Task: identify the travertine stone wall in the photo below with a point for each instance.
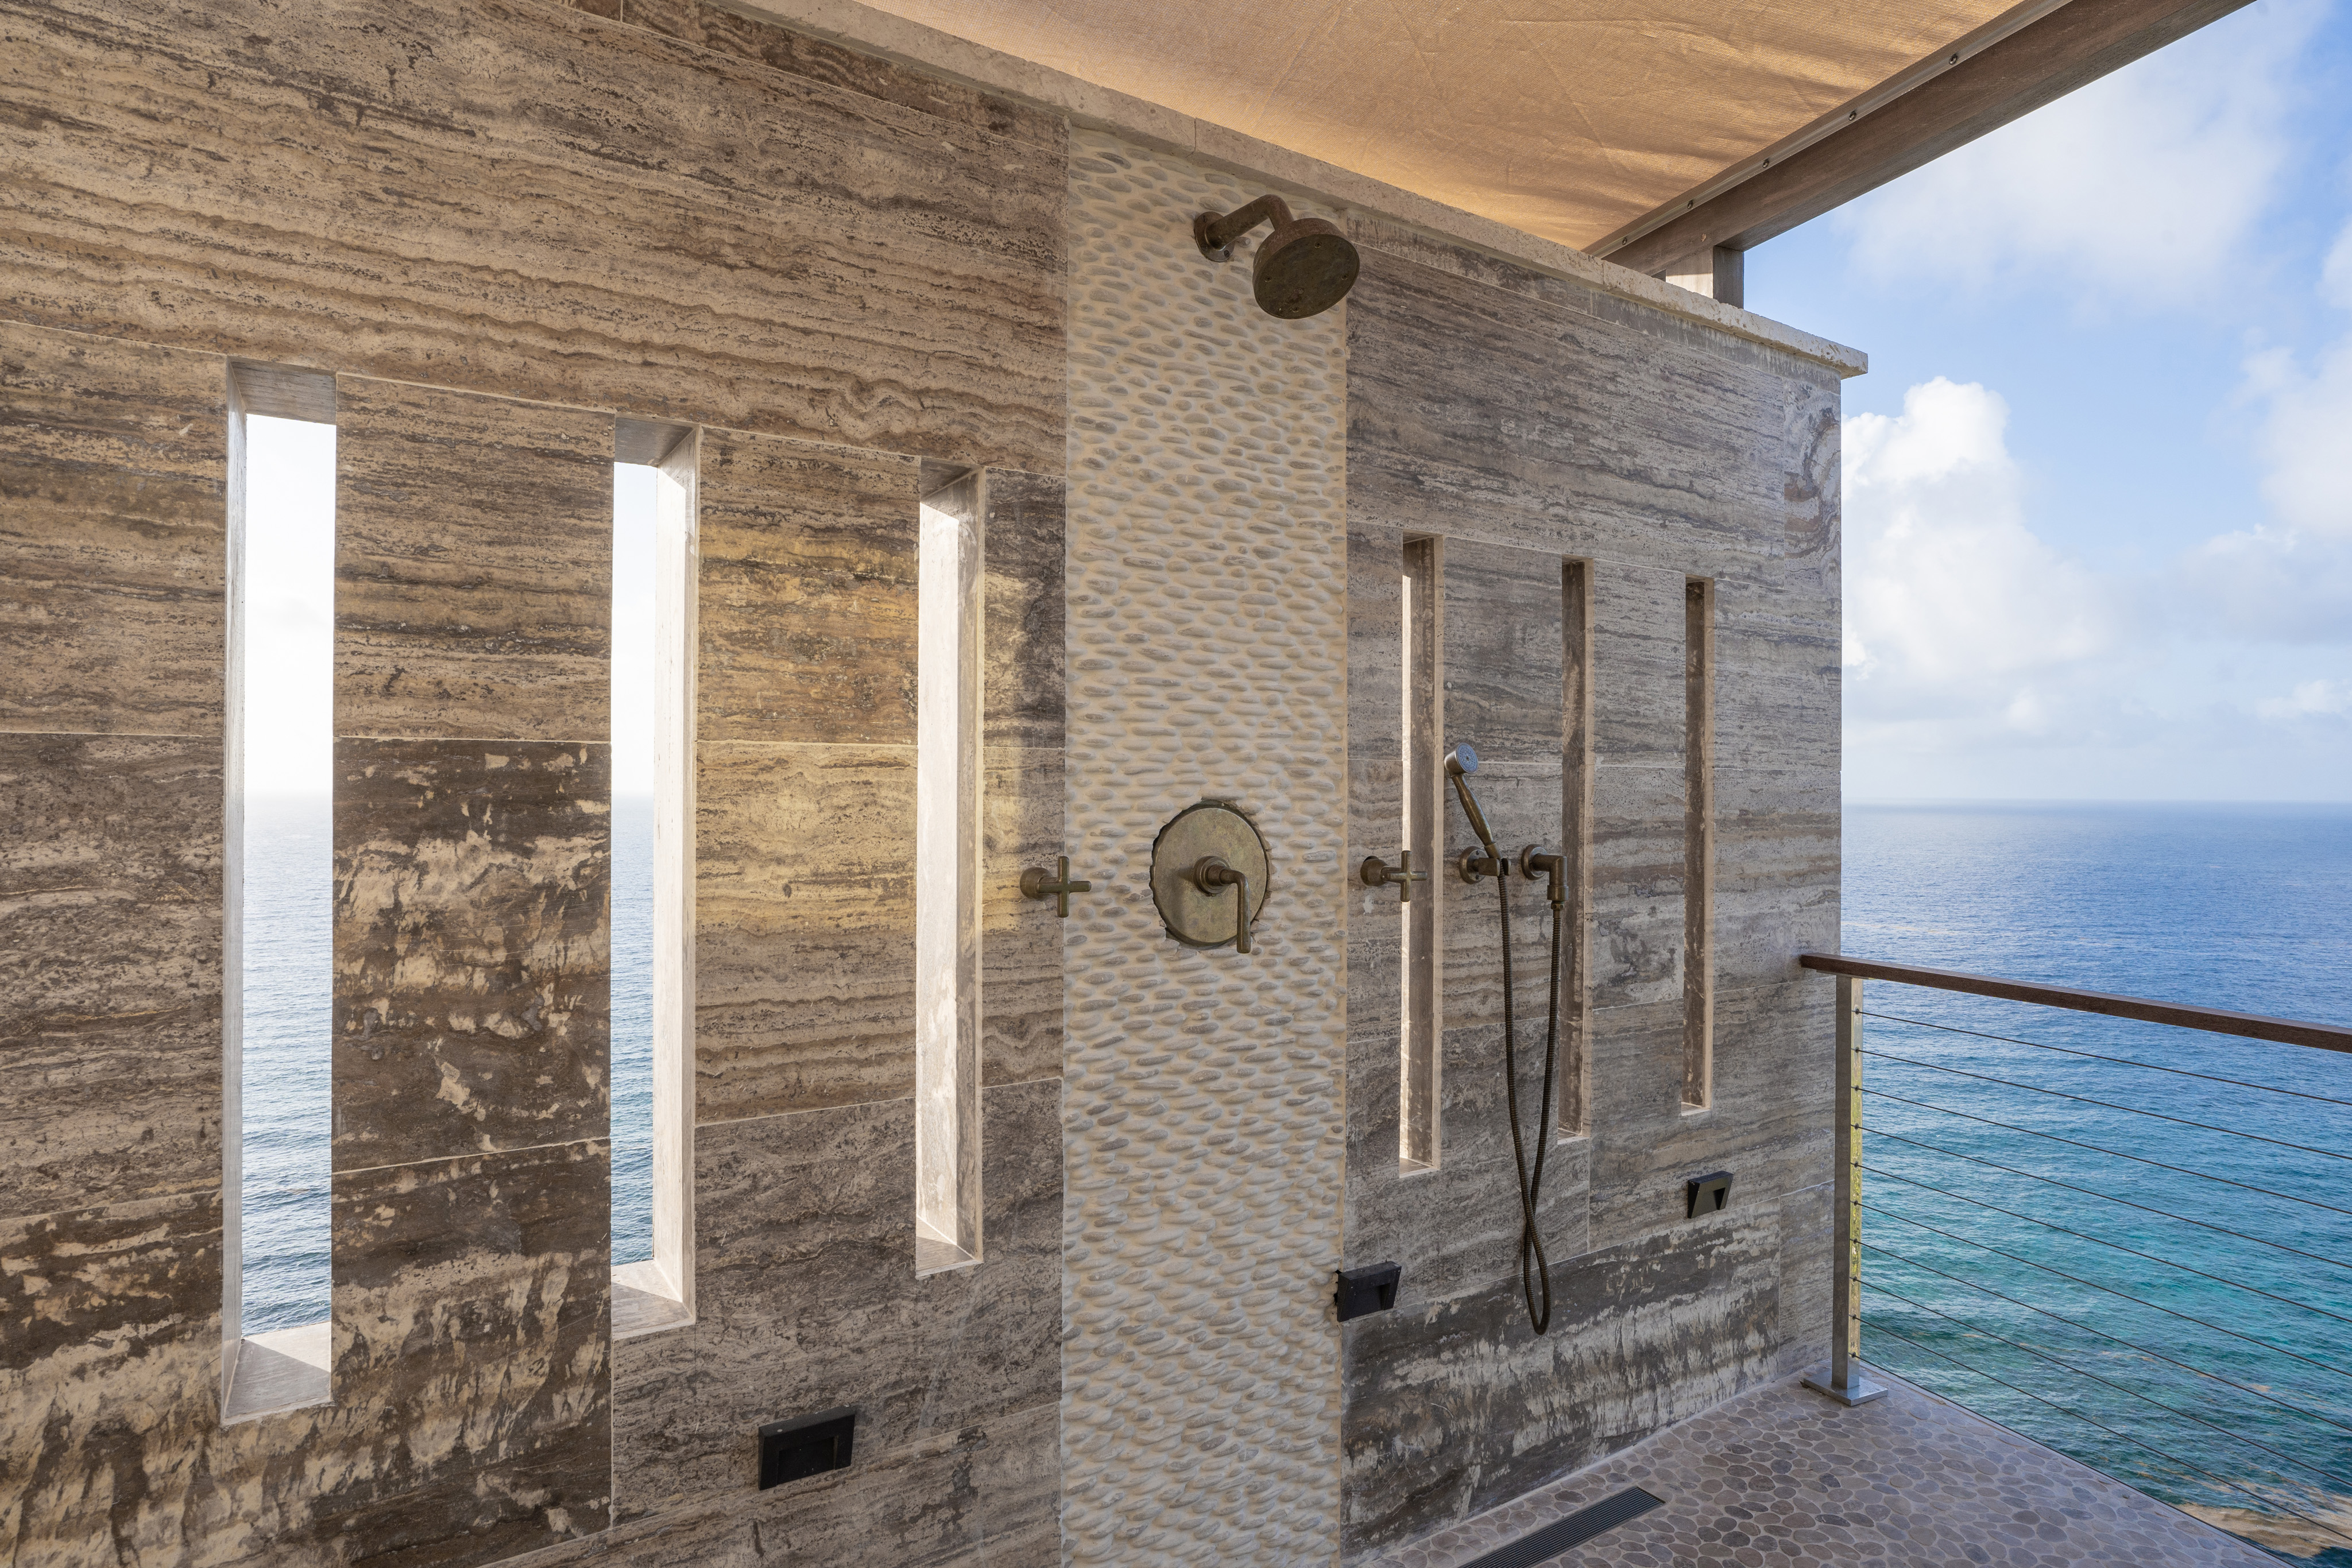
(1494, 408)
(113, 541)
(472, 1062)
(1204, 1121)
(503, 226)
(515, 197)
(807, 1296)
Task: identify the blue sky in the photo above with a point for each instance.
(2099, 480)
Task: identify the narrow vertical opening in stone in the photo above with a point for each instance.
(1698, 843)
(946, 880)
(1576, 840)
(278, 1024)
(1420, 728)
(653, 783)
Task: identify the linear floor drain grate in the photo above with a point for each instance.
(1574, 1531)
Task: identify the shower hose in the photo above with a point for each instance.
(1535, 1282)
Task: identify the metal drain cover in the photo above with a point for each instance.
(1574, 1531)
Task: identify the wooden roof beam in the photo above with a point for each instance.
(2077, 43)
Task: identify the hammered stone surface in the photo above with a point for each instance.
(1204, 1125)
(1782, 1478)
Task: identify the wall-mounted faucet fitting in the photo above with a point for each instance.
(1535, 861)
(1034, 884)
(1377, 873)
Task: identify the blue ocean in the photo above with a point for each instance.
(2169, 1299)
(2166, 1299)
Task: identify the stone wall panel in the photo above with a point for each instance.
(804, 902)
(472, 1373)
(110, 968)
(808, 1298)
(806, 598)
(113, 535)
(472, 963)
(533, 202)
(473, 565)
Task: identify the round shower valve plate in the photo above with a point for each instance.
(1196, 916)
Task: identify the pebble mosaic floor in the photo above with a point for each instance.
(1782, 1478)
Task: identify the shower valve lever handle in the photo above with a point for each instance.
(1377, 873)
(1209, 873)
(1033, 884)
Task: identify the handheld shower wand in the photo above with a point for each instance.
(1461, 761)
(1535, 1267)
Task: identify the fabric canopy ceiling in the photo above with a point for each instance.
(1567, 119)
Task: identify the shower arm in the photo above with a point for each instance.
(1217, 234)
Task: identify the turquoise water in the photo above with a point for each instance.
(2247, 909)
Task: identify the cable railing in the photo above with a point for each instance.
(2138, 1253)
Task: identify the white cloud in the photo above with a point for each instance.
(2290, 581)
(2305, 442)
(2269, 585)
(1955, 613)
(2142, 186)
(2336, 277)
(2311, 700)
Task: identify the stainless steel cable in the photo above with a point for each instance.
(2085, 1100)
(2105, 1382)
(2095, 1056)
(2102, 1241)
(2101, 1333)
(2110, 1197)
(2115, 1154)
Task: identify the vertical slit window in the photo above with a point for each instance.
(1698, 842)
(652, 1012)
(1421, 726)
(946, 880)
(280, 873)
(1576, 840)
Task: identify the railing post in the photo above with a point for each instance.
(1843, 1381)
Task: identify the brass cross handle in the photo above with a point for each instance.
(1033, 884)
(1210, 873)
(1377, 873)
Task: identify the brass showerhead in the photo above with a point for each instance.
(1303, 268)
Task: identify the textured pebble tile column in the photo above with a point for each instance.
(1202, 1119)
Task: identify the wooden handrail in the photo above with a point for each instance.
(2213, 1020)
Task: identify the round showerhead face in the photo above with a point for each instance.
(1303, 269)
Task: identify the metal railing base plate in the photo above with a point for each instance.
(1858, 1389)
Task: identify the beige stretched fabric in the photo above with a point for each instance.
(1563, 118)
